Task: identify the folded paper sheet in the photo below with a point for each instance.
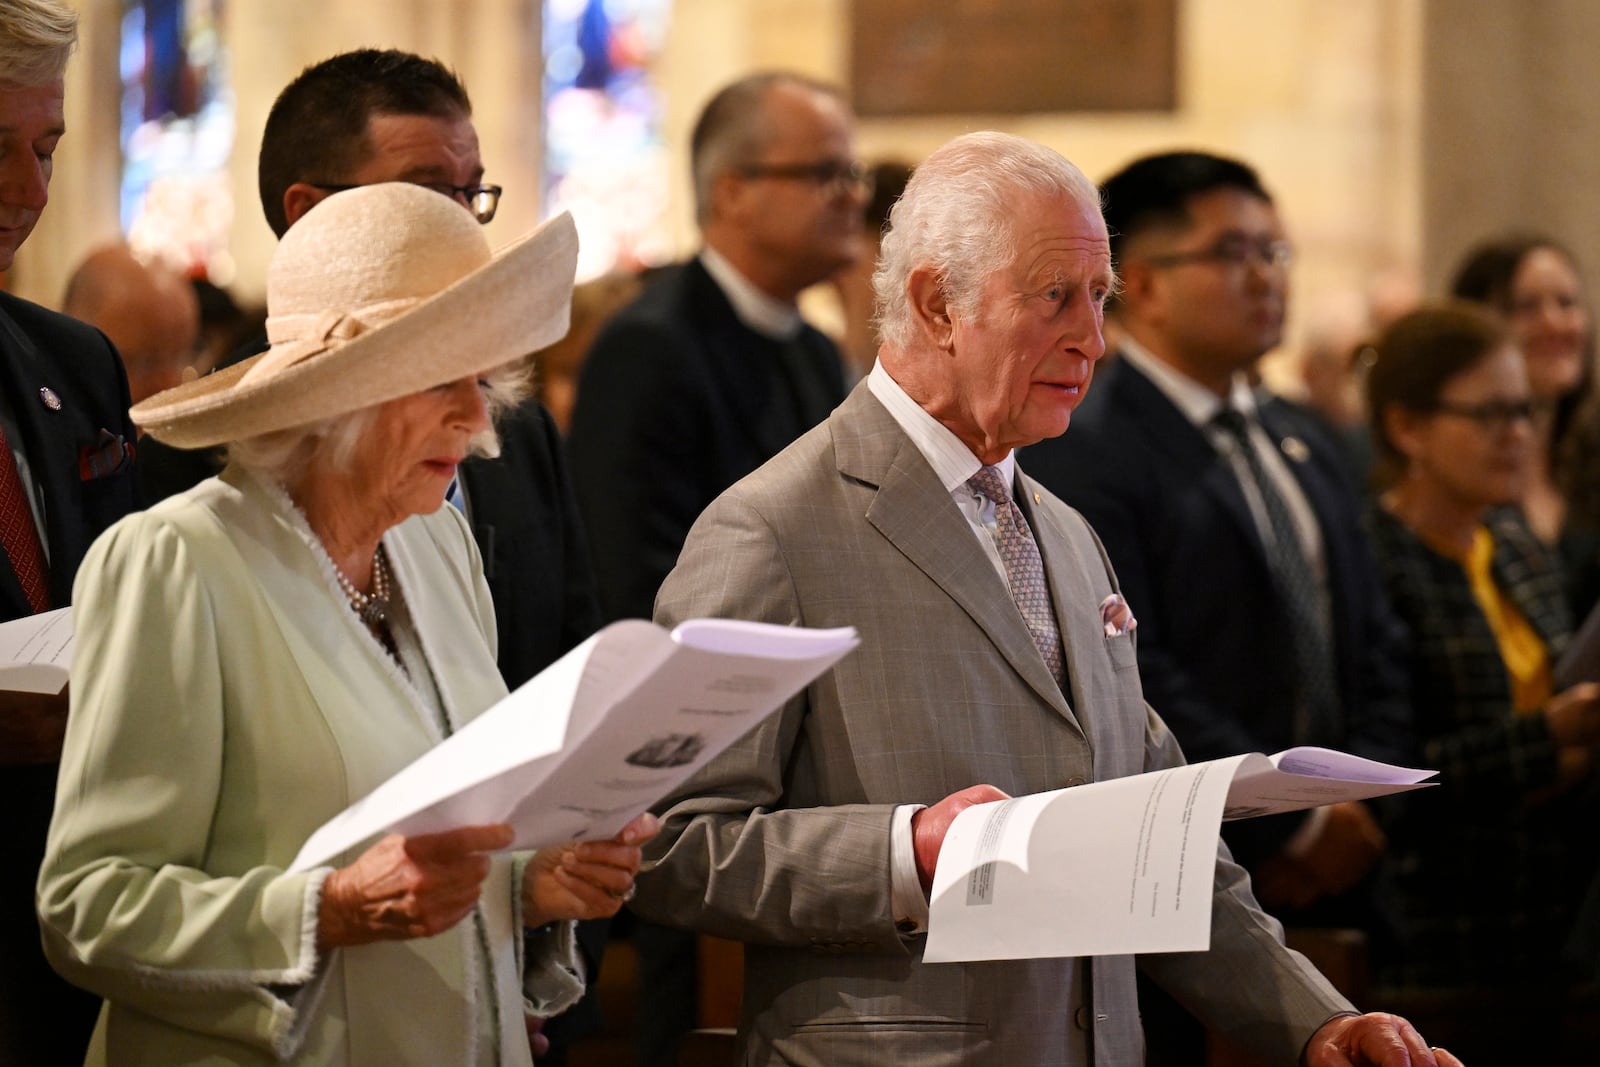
(597, 737)
(36, 652)
(1121, 866)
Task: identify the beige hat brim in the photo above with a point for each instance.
(516, 304)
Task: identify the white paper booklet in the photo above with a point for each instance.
(36, 652)
(1121, 866)
(597, 737)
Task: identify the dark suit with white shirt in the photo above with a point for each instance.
(66, 396)
(1216, 652)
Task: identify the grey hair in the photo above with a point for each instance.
(955, 220)
(731, 130)
(36, 38)
(283, 456)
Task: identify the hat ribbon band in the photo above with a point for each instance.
(296, 338)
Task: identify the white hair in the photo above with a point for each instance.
(283, 456)
(36, 37)
(955, 220)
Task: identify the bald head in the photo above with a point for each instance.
(150, 313)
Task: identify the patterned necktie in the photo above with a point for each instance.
(1024, 569)
(1298, 588)
(18, 533)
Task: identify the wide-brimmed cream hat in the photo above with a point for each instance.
(377, 293)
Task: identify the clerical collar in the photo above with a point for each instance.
(763, 314)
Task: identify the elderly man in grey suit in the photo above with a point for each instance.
(994, 649)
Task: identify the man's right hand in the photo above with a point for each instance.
(929, 826)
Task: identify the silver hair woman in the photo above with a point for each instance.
(258, 653)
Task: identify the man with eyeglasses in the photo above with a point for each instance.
(1234, 532)
(710, 372)
(372, 116)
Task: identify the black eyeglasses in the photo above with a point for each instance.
(1492, 415)
(482, 200)
(1233, 250)
(830, 175)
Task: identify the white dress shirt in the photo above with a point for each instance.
(764, 314)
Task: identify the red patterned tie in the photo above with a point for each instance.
(19, 534)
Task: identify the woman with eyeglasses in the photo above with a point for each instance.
(1533, 283)
(1486, 881)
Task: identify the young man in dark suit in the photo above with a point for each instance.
(1232, 526)
(66, 473)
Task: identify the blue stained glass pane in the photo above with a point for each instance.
(604, 159)
(177, 127)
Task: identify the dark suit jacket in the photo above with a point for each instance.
(40, 349)
(42, 1019)
(526, 523)
(677, 401)
(1215, 650)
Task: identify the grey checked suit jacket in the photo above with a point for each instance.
(783, 841)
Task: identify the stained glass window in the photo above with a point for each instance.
(604, 159)
(177, 133)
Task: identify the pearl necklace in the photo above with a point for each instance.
(371, 608)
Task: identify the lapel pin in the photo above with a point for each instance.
(1296, 449)
(1036, 499)
(47, 397)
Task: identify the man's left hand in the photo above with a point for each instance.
(1376, 1039)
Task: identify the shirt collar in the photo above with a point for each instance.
(765, 315)
(1198, 404)
(952, 461)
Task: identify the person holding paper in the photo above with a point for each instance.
(259, 652)
(66, 473)
(996, 648)
(1487, 878)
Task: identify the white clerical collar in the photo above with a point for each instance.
(762, 313)
(1198, 404)
(952, 461)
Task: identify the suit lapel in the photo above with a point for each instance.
(1187, 448)
(914, 512)
(49, 441)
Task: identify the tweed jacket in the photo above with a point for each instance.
(783, 842)
(1464, 920)
(225, 703)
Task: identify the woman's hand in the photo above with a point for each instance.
(587, 881)
(405, 887)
